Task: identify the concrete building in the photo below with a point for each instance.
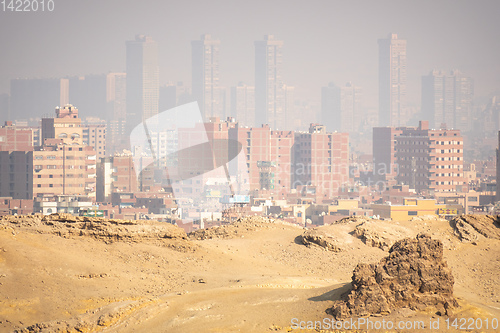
(16, 174)
(341, 107)
(269, 157)
(142, 80)
(30, 98)
(89, 92)
(16, 162)
(116, 111)
(392, 81)
(321, 160)
(385, 167)
(410, 208)
(62, 169)
(205, 76)
(65, 126)
(94, 135)
(5, 107)
(243, 104)
(269, 95)
(430, 159)
(115, 174)
(172, 95)
(447, 99)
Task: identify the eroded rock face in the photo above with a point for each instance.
(317, 237)
(470, 228)
(372, 233)
(414, 276)
(67, 225)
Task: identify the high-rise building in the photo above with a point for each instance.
(430, 159)
(341, 107)
(89, 93)
(269, 99)
(205, 76)
(172, 95)
(321, 160)
(392, 81)
(385, 167)
(65, 126)
(243, 104)
(31, 98)
(94, 135)
(115, 174)
(423, 158)
(447, 99)
(16, 162)
(142, 80)
(5, 107)
(63, 164)
(290, 122)
(116, 112)
(269, 157)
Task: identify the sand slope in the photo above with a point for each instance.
(253, 277)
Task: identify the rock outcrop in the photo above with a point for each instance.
(109, 230)
(414, 276)
(315, 237)
(377, 235)
(470, 228)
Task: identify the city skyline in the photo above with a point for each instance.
(331, 54)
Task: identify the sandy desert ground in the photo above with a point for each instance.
(256, 276)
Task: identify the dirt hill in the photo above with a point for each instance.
(66, 273)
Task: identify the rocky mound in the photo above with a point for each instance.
(470, 228)
(380, 235)
(109, 230)
(238, 228)
(350, 219)
(414, 276)
(315, 237)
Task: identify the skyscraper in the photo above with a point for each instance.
(205, 75)
(269, 99)
(341, 107)
(243, 104)
(392, 81)
(31, 98)
(142, 80)
(116, 110)
(447, 99)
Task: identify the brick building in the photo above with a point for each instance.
(16, 162)
(321, 160)
(430, 159)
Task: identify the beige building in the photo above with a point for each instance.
(63, 164)
(62, 169)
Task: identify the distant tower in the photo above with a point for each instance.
(341, 107)
(205, 76)
(243, 104)
(269, 96)
(142, 80)
(447, 99)
(392, 81)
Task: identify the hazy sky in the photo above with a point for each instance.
(324, 40)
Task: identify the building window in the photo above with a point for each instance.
(412, 212)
